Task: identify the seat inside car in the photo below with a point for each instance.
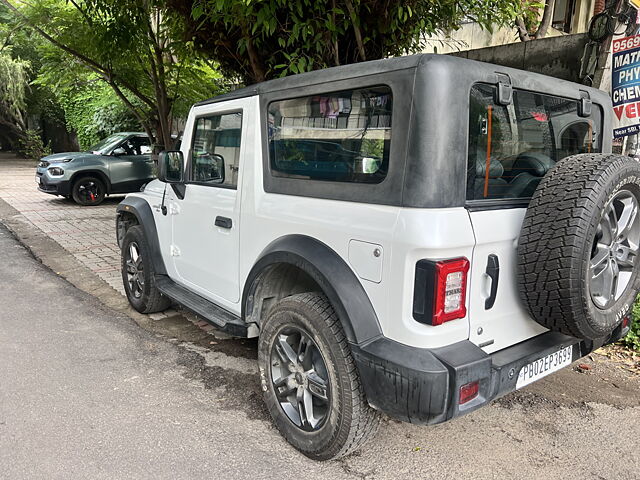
(526, 173)
(497, 186)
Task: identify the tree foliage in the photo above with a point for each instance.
(129, 46)
(32, 146)
(14, 80)
(93, 111)
(13, 84)
(261, 39)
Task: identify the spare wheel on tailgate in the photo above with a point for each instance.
(578, 247)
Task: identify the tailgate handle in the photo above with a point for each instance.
(223, 222)
(493, 272)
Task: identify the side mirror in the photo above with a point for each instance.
(170, 167)
(210, 168)
(218, 166)
(118, 151)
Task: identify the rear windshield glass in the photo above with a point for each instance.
(341, 136)
(511, 147)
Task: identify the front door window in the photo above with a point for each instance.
(216, 150)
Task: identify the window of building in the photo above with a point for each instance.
(563, 13)
(341, 136)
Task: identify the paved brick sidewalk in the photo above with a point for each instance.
(85, 232)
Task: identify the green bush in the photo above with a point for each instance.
(632, 340)
(95, 112)
(33, 147)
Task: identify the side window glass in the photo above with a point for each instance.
(512, 147)
(215, 154)
(340, 136)
(141, 145)
(135, 146)
(126, 148)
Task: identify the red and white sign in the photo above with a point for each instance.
(625, 86)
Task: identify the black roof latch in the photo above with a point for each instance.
(584, 106)
(504, 94)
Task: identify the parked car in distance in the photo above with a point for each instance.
(416, 236)
(120, 163)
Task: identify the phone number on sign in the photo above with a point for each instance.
(626, 43)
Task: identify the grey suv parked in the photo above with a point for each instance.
(120, 163)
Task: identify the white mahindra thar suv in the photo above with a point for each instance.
(415, 236)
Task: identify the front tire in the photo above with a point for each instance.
(310, 382)
(88, 191)
(138, 274)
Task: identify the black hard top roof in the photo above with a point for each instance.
(441, 63)
(353, 70)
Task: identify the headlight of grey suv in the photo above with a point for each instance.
(56, 172)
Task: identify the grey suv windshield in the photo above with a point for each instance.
(105, 146)
(512, 147)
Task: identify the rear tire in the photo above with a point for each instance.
(578, 250)
(88, 191)
(335, 419)
(138, 274)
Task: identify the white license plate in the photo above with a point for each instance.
(37, 179)
(544, 366)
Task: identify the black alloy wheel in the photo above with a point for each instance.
(134, 270)
(300, 378)
(309, 381)
(89, 191)
(138, 274)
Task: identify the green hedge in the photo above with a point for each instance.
(633, 339)
(95, 112)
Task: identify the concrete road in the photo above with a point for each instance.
(85, 392)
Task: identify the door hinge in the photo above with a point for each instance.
(175, 251)
(174, 209)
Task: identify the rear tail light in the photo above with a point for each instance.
(440, 290)
(468, 392)
(451, 289)
(625, 322)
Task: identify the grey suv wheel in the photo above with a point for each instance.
(310, 382)
(88, 191)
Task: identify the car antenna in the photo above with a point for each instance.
(163, 207)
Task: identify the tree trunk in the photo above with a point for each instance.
(523, 33)
(356, 31)
(547, 16)
(12, 134)
(543, 28)
(258, 72)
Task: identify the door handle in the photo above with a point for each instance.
(493, 272)
(223, 222)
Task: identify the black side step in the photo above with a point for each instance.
(209, 311)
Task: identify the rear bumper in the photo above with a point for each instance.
(422, 385)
